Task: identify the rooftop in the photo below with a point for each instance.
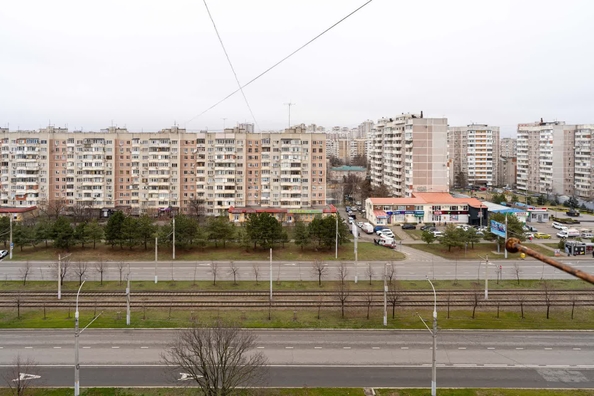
(347, 168)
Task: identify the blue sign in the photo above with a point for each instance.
(498, 228)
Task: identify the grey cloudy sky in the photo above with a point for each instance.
(146, 64)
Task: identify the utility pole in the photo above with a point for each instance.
(386, 294)
(11, 245)
(487, 276)
(156, 257)
(128, 299)
(506, 232)
(270, 274)
(336, 243)
(355, 232)
(76, 336)
(434, 334)
(289, 104)
(174, 237)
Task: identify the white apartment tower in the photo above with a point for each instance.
(409, 154)
(473, 151)
(584, 162)
(546, 157)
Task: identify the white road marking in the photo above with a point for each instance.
(288, 347)
(260, 347)
(24, 377)
(317, 347)
(375, 348)
(461, 347)
(28, 347)
(519, 349)
(115, 347)
(577, 349)
(490, 348)
(86, 347)
(346, 347)
(548, 349)
(144, 347)
(57, 347)
(403, 347)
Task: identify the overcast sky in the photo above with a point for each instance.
(147, 64)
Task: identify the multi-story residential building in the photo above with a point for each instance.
(474, 152)
(364, 129)
(545, 152)
(169, 169)
(584, 162)
(507, 171)
(409, 154)
(508, 147)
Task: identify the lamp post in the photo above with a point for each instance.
(76, 336)
(434, 350)
(60, 274)
(271, 274)
(156, 257)
(11, 245)
(336, 237)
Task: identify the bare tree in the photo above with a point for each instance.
(369, 272)
(25, 271)
(394, 296)
(448, 302)
(548, 295)
(342, 295)
(17, 301)
(101, 267)
(20, 375)
(214, 270)
(573, 298)
(234, 271)
(476, 293)
(319, 304)
(518, 272)
(120, 266)
(342, 272)
(53, 208)
(521, 300)
(80, 268)
(219, 358)
(319, 269)
(256, 269)
(369, 301)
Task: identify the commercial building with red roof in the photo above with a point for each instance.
(284, 215)
(425, 208)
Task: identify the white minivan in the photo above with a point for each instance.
(558, 226)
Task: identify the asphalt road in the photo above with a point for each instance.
(325, 358)
(413, 268)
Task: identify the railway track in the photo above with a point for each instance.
(296, 299)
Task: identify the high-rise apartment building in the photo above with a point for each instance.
(409, 154)
(508, 147)
(584, 162)
(172, 168)
(473, 152)
(545, 152)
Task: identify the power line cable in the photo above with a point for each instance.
(280, 61)
(231, 65)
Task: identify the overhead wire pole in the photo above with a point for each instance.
(289, 105)
(279, 62)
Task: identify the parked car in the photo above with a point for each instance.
(367, 228)
(558, 226)
(384, 229)
(529, 235)
(3, 253)
(408, 226)
(387, 233)
(542, 235)
(586, 235)
(437, 234)
(359, 224)
(378, 228)
(572, 212)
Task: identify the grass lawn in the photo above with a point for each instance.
(480, 250)
(366, 250)
(355, 318)
(309, 392)
(263, 285)
(414, 234)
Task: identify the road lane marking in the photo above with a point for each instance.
(144, 347)
(260, 347)
(288, 347)
(346, 347)
(57, 347)
(490, 348)
(519, 349)
(403, 347)
(461, 347)
(548, 349)
(375, 347)
(317, 347)
(86, 347)
(28, 347)
(115, 347)
(577, 349)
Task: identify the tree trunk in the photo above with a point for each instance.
(522, 310)
(572, 309)
(548, 309)
(393, 311)
(497, 310)
(342, 309)
(368, 308)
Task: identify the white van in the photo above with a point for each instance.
(587, 234)
(569, 233)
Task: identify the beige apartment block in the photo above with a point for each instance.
(584, 162)
(508, 147)
(546, 157)
(474, 151)
(409, 153)
(171, 169)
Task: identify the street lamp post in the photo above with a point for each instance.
(157, 248)
(434, 350)
(11, 245)
(156, 257)
(76, 337)
(386, 293)
(336, 237)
